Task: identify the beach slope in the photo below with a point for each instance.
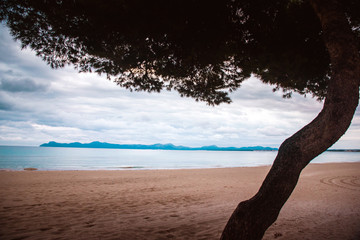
(172, 204)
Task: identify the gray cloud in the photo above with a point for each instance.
(22, 85)
(5, 106)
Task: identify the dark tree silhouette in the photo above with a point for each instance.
(205, 49)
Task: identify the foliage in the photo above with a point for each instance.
(202, 49)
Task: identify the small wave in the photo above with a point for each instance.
(129, 167)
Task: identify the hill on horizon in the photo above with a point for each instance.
(157, 146)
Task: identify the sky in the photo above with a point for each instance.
(39, 104)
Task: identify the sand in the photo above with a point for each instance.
(172, 204)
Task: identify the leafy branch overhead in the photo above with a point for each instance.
(202, 49)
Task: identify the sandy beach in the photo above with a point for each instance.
(172, 204)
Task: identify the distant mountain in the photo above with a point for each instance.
(156, 146)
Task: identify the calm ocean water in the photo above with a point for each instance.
(18, 158)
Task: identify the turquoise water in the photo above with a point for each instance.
(18, 158)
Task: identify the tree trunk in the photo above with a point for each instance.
(251, 218)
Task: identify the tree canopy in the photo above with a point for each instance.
(203, 49)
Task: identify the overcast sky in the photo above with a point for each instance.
(39, 104)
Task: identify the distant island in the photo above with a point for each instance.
(157, 146)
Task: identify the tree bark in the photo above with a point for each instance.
(251, 218)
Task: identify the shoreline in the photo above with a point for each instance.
(167, 204)
(137, 168)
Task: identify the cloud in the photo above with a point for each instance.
(273, 131)
(5, 105)
(22, 85)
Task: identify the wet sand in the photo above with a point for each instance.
(172, 204)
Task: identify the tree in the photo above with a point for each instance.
(204, 49)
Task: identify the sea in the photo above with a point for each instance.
(58, 158)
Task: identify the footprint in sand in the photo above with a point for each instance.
(89, 224)
(45, 229)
